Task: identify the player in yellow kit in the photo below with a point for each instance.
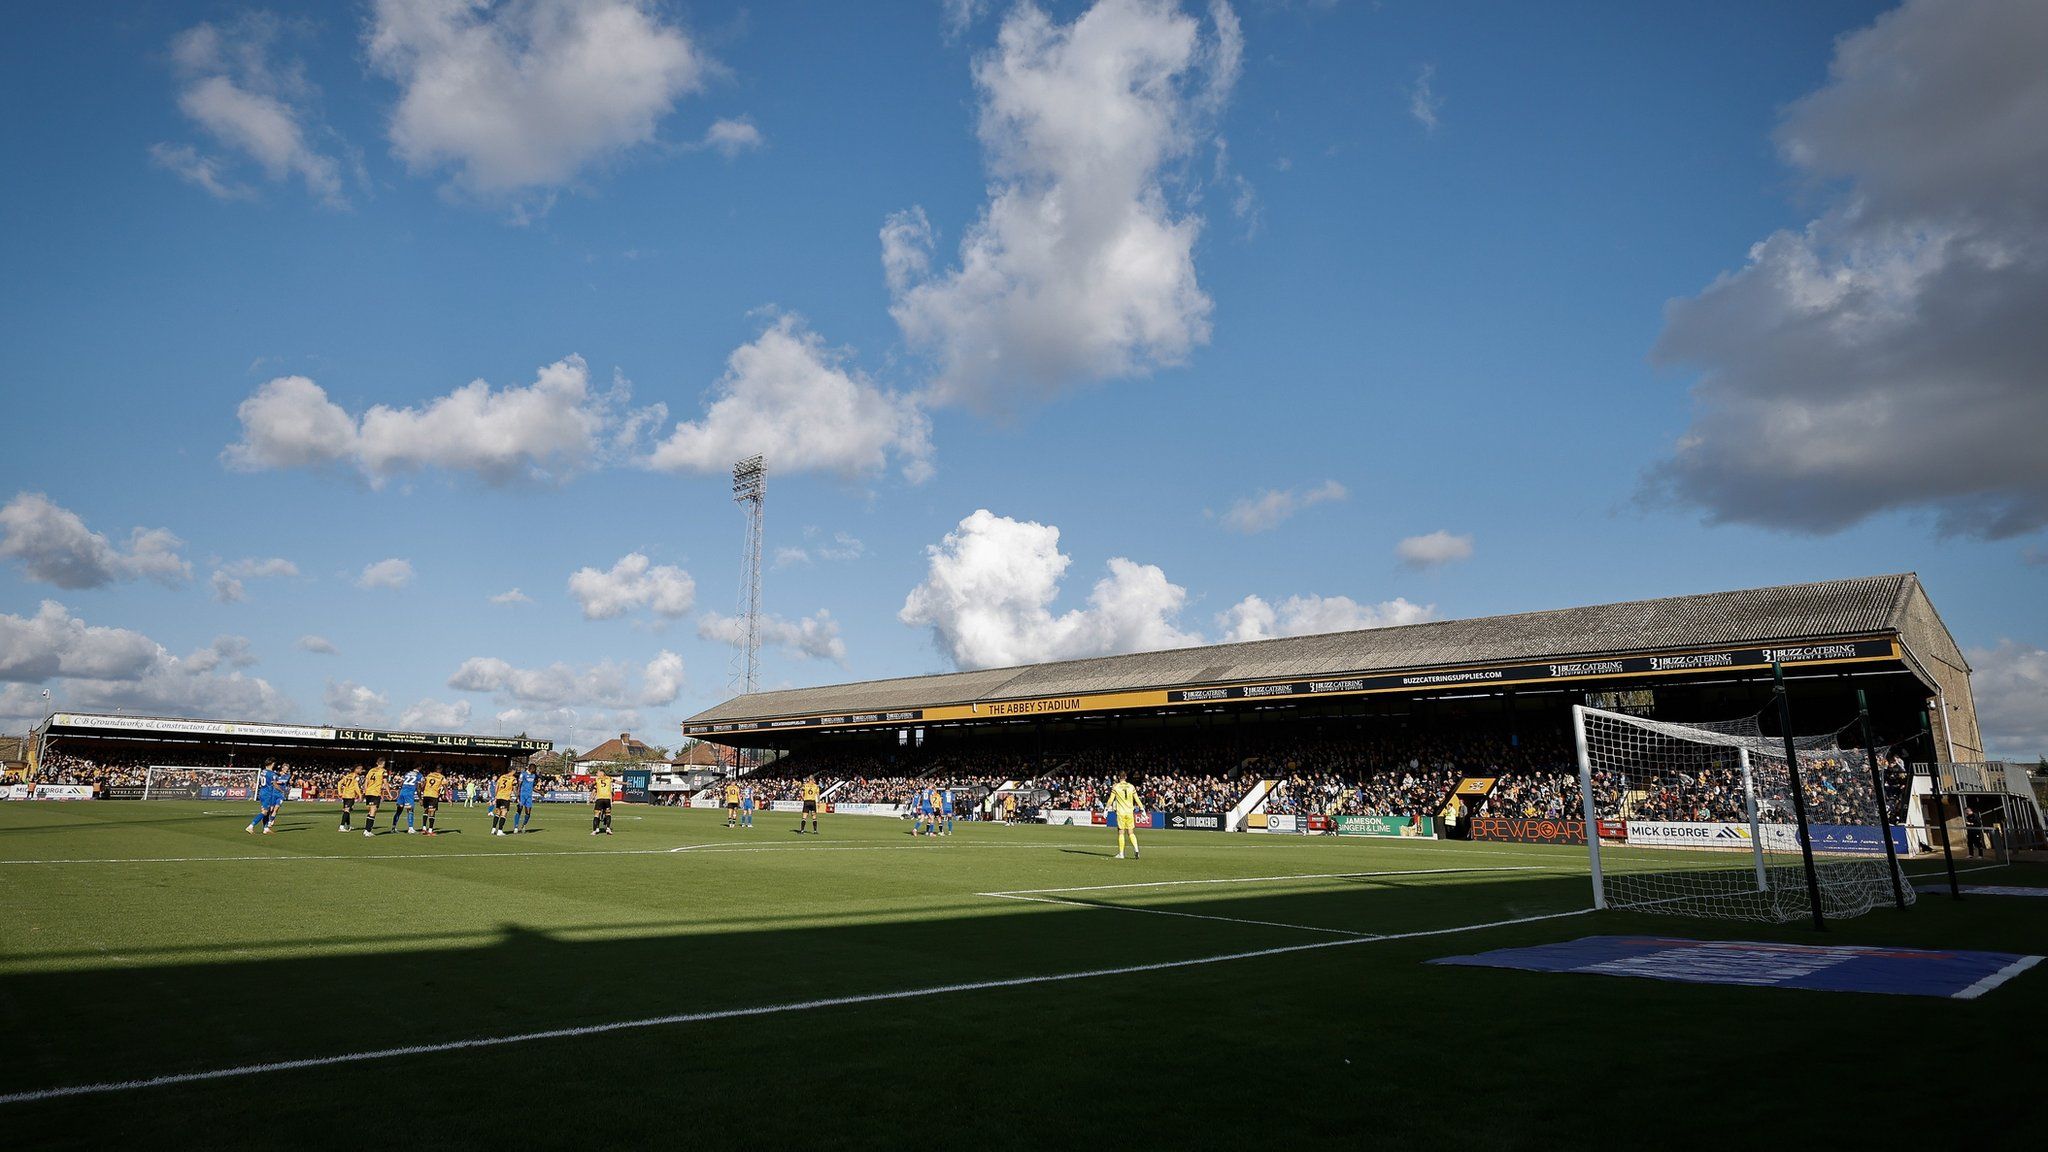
(810, 811)
(351, 791)
(373, 794)
(430, 796)
(601, 804)
(501, 800)
(732, 804)
(1124, 802)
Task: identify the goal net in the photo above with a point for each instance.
(190, 782)
(1700, 820)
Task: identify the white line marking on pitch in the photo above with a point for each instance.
(1996, 978)
(565, 854)
(1170, 912)
(731, 1013)
(1265, 879)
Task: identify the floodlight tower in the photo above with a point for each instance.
(750, 492)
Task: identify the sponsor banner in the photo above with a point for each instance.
(190, 727)
(226, 792)
(785, 806)
(1255, 822)
(1476, 785)
(1289, 823)
(13, 791)
(1317, 822)
(1386, 826)
(859, 808)
(1515, 830)
(566, 796)
(1561, 670)
(1613, 829)
(635, 785)
(449, 740)
(1194, 821)
(1069, 816)
(1139, 819)
(1854, 838)
(862, 809)
(1711, 834)
(906, 716)
(63, 792)
(158, 792)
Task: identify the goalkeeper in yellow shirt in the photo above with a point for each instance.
(1124, 802)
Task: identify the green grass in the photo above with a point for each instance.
(141, 939)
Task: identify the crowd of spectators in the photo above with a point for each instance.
(1836, 788)
(317, 778)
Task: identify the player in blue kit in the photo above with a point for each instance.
(270, 787)
(523, 818)
(408, 797)
(746, 805)
(927, 807)
(946, 808)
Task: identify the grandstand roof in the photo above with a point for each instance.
(1862, 607)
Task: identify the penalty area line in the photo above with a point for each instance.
(243, 1070)
(1270, 879)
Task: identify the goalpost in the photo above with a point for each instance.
(1706, 820)
(183, 782)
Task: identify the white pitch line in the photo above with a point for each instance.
(730, 1014)
(1996, 978)
(1265, 879)
(1169, 912)
(566, 854)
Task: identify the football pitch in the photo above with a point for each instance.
(167, 979)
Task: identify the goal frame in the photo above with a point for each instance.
(244, 776)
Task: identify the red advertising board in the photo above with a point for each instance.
(1530, 831)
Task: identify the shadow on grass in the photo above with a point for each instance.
(1183, 1036)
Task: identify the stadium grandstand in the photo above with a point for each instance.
(119, 756)
(1386, 722)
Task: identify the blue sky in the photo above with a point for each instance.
(1370, 312)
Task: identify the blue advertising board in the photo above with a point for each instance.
(1854, 838)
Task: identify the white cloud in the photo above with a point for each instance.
(2010, 683)
(559, 685)
(1423, 102)
(53, 545)
(959, 15)
(1078, 267)
(512, 596)
(251, 105)
(791, 399)
(54, 643)
(320, 644)
(100, 668)
(1437, 548)
(844, 546)
(1887, 355)
(392, 573)
(435, 716)
(276, 567)
(633, 583)
(809, 637)
(732, 137)
(988, 594)
(523, 98)
(1268, 509)
(228, 587)
(549, 429)
(350, 704)
(1252, 618)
